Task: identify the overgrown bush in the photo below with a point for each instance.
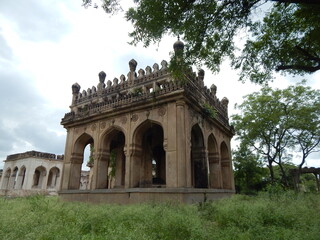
(269, 215)
(266, 216)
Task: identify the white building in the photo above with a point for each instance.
(30, 173)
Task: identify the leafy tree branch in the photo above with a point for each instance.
(275, 31)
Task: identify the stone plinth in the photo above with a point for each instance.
(145, 195)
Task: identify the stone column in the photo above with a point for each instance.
(54, 179)
(5, 181)
(12, 180)
(28, 177)
(64, 183)
(146, 168)
(67, 164)
(72, 172)
(199, 167)
(215, 170)
(100, 170)
(170, 146)
(181, 144)
(127, 177)
(134, 165)
(43, 179)
(226, 174)
(120, 161)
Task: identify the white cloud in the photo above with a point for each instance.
(35, 20)
(46, 46)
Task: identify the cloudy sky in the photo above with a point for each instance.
(46, 46)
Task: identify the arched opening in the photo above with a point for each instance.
(117, 162)
(198, 159)
(13, 178)
(21, 178)
(225, 166)
(5, 180)
(53, 177)
(87, 157)
(214, 163)
(80, 179)
(158, 166)
(112, 160)
(39, 177)
(86, 166)
(149, 158)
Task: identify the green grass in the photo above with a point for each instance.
(276, 216)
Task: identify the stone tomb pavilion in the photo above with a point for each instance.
(31, 173)
(152, 139)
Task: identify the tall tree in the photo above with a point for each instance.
(285, 39)
(276, 122)
(305, 135)
(263, 127)
(249, 172)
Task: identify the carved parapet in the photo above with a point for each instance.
(149, 84)
(225, 102)
(155, 67)
(141, 73)
(129, 97)
(75, 88)
(75, 92)
(68, 117)
(201, 73)
(201, 77)
(213, 90)
(115, 81)
(113, 87)
(122, 79)
(204, 95)
(34, 154)
(109, 83)
(148, 70)
(102, 76)
(132, 75)
(164, 65)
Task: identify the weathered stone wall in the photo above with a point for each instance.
(130, 117)
(30, 173)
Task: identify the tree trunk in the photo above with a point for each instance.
(271, 171)
(284, 178)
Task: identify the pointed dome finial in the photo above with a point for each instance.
(178, 45)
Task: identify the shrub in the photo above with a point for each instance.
(285, 215)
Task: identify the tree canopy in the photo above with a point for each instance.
(277, 123)
(279, 36)
(249, 173)
(285, 41)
